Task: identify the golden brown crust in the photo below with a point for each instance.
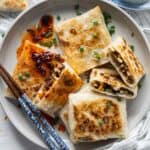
(108, 81)
(48, 96)
(13, 5)
(39, 33)
(108, 119)
(126, 62)
(58, 93)
(94, 117)
(80, 31)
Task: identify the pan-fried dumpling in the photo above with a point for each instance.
(65, 116)
(53, 99)
(45, 78)
(93, 117)
(82, 38)
(13, 5)
(125, 62)
(107, 81)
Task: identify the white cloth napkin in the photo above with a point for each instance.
(139, 138)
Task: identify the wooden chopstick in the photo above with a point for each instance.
(33, 113)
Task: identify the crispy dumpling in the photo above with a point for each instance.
(65, 116)
(44, 77)
(82, 37)
(108, 81)
(93, 117)
(42, 33)
(53, 99)
(125, 62)
(13, 5)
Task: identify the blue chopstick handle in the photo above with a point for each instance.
(52, 131)
(51, 145)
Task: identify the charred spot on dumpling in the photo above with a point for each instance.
(46, 20)
(68, 82)
(107, 122)
(73, 31)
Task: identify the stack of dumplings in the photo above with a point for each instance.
(89, 97)
(98, 110)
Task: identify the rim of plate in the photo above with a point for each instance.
(136, 7)
(109, 3)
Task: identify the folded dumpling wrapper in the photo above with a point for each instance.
(94, 117)
(108, 81)
(82, 38)
(125, 62)
(49, 92)
(64, 115)
(13, 5)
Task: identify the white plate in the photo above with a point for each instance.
(135, 7)
(124, 26)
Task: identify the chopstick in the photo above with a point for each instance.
(46, 131)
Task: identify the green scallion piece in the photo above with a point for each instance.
(27, 74)
(107, 17)
(111, 29)
(48, 34)
(96, 55)
(95, 35)
(132, 34)
(58, 18)
(132, 47)
(21, 77)
(100, 122)
(119, 99)
(81, 49)
(95, 22)
(78, 13)
(108, 105)
(46, 44)
(76, 7)
(55, 41)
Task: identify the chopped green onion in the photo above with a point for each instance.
(58, 18)
(100, 122)
(78, 13)
(81, 49)
(48, 34)
(107, 17)
(96, 55)
(46, 44)
(21, 77)
(132, 47)
(119, 99)
(139, 85)
(27, 74)
(108, 90)
(132, 34)
(55, 41)
(111, 29)
(76, 7)
(95, 35)
(95, 22)
(3, 35)
(108, 104)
